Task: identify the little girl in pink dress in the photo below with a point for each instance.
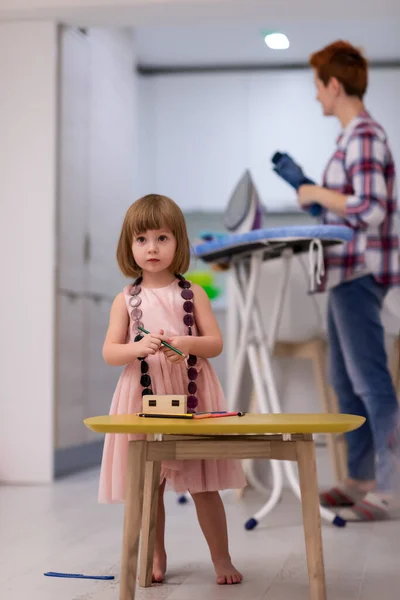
(153, 250)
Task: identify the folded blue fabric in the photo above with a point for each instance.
(293, 174)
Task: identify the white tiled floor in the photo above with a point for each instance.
(62, 528)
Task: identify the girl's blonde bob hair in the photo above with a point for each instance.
(153, 212)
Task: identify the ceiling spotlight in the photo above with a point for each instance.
(277, 41)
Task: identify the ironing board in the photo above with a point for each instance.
(245, 254)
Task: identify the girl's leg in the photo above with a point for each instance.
(212, 520)
(160, 555)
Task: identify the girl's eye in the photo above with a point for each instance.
(140, 239)
(163, 238)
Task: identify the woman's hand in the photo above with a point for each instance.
(328, 199)
(181, 343)
(307, 194)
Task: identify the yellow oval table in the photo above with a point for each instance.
(270, 436)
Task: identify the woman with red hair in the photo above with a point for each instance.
(359, 190)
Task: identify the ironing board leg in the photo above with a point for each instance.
(240, 286)
(277, 309)
(263, 377)
(248, 305)
(232, 328)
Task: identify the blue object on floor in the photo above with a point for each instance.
(339, 521)
(251, 524)
(182, 499)
(78, 576)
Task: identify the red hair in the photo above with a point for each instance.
(344, 62)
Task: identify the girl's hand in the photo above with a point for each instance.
(149, 345)
(181, 343)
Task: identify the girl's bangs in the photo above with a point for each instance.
(151, 218)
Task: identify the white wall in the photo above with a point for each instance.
(28, 75)
(52, 373)
(200, 131)
(113, 170)
(97, 184)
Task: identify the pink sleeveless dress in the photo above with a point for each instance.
(163, 309)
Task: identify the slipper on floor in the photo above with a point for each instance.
(340, 496)
(372, 508)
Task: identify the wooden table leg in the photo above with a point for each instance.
(132, 518)
(311, 518)
(149, 522)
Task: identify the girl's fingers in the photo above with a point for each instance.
(173, 357)
(159, 336)
(178, 359)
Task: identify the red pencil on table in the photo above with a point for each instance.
(216, 415)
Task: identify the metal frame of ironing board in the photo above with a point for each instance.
(248, 338)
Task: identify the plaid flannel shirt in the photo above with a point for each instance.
(362, 168)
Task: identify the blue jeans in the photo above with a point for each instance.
(361, 378)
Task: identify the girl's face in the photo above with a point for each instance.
(154, 250)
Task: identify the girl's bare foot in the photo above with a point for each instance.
(212, 519)
(159, 567)
(226, 572)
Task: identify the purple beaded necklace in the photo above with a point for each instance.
(137, 313)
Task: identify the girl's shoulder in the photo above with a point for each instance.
(198, 291)
(120, 300)
(119, 307)
(127, 290)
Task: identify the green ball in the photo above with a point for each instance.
(202, 278)
(211, 291)
(205, 279)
